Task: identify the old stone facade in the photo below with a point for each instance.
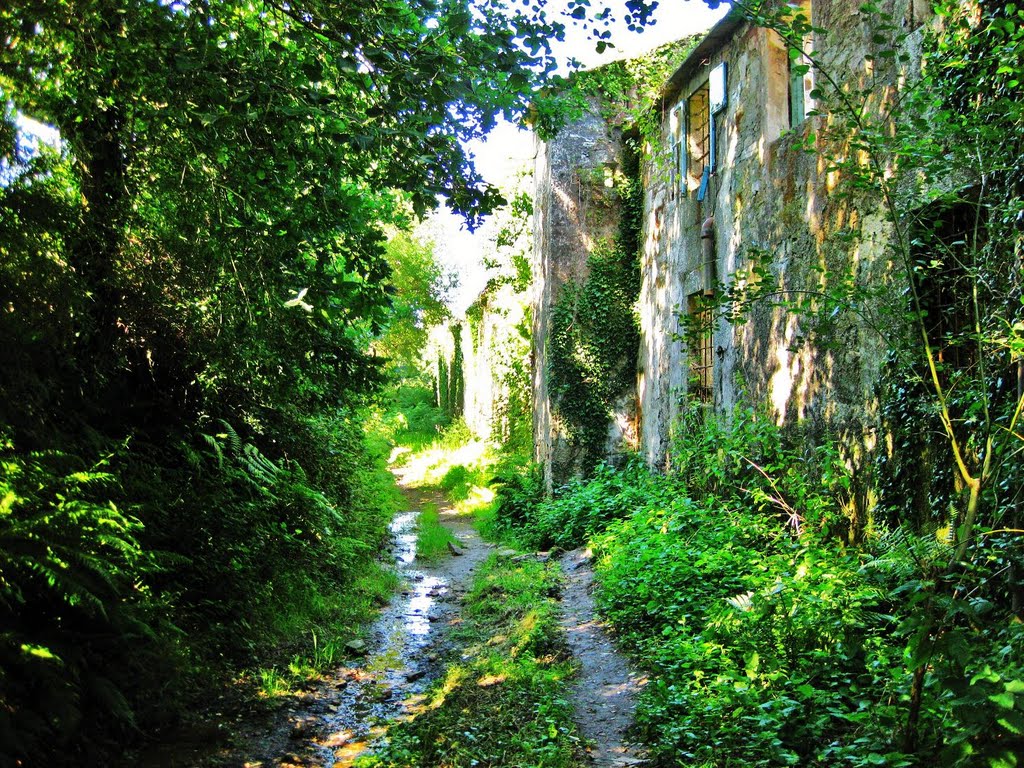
(740, 176)
(572, 217)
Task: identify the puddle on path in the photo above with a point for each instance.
(335, 721)
(404, 645)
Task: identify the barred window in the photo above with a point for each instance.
(677, 163)
(698, 135)
(700, 351)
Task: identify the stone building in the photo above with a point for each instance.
(740, 179)
(574, 215)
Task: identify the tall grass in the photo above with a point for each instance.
(432, 537)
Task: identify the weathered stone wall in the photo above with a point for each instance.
(497, 355)
(775, 202)
(572, 215)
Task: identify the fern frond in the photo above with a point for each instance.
(232, 436)
(218, 452)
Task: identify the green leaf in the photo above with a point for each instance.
(1004, 700)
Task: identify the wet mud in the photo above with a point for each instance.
(341, 714)
(603, 693)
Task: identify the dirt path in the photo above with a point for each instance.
(603, 693)
(336, 719)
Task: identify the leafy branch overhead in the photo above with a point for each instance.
(208, 238)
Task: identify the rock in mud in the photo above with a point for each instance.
(356, 647)
(301, 729)
(415, 675)
(454, 550)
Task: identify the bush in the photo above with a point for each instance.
(77, 633)
(770, 642)
(576, 512)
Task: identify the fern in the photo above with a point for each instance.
(71, 556)
(244, 457)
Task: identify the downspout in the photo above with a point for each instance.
(707, 250)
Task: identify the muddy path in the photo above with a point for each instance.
(338, 716)
(604, 690)
(405, 647)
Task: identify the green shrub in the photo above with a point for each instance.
(455, 435)
(517, 493)
(76, 632)
(576, 512)
(457, 482)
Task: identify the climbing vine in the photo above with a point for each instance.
(595, 336)
(626, 91)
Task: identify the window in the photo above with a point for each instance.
(700, 351)
(799, 89)
(801, 80)
(797, 104)
(698, 135)
(677, 161)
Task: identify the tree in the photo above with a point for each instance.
(192, 280)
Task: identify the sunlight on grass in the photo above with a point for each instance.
(428, 467)
(335, 616)
(479, 500)
(432, 538)
(504, 702)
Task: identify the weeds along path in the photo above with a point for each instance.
(337, 718)
(603, 693)
(407, 643)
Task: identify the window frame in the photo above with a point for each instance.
(702, 115)
(700, 354)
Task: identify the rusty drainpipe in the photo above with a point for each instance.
(707, 250)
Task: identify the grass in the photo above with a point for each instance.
(432, 538)
(462, 469)
(335, 615)
(504, 702)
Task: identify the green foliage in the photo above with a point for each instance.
(504, 703)
(408, 414)
(432, 538)
(193, 275)
(517, 494)
(74, 605)
(456, 482)
(771, 643)
(576, 511)
(417, 302)
(593, 349)
(595, 336)
(249, 526)
(625, 92)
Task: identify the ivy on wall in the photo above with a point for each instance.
(594, 339)
(626, 91)
(595, 335)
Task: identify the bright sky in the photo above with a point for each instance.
(508, 149)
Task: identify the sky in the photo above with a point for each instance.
(509, 149)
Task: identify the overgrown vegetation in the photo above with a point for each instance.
(198, 254)
(770, 641)
(504, 703)
(782, 628)
(595, 336)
